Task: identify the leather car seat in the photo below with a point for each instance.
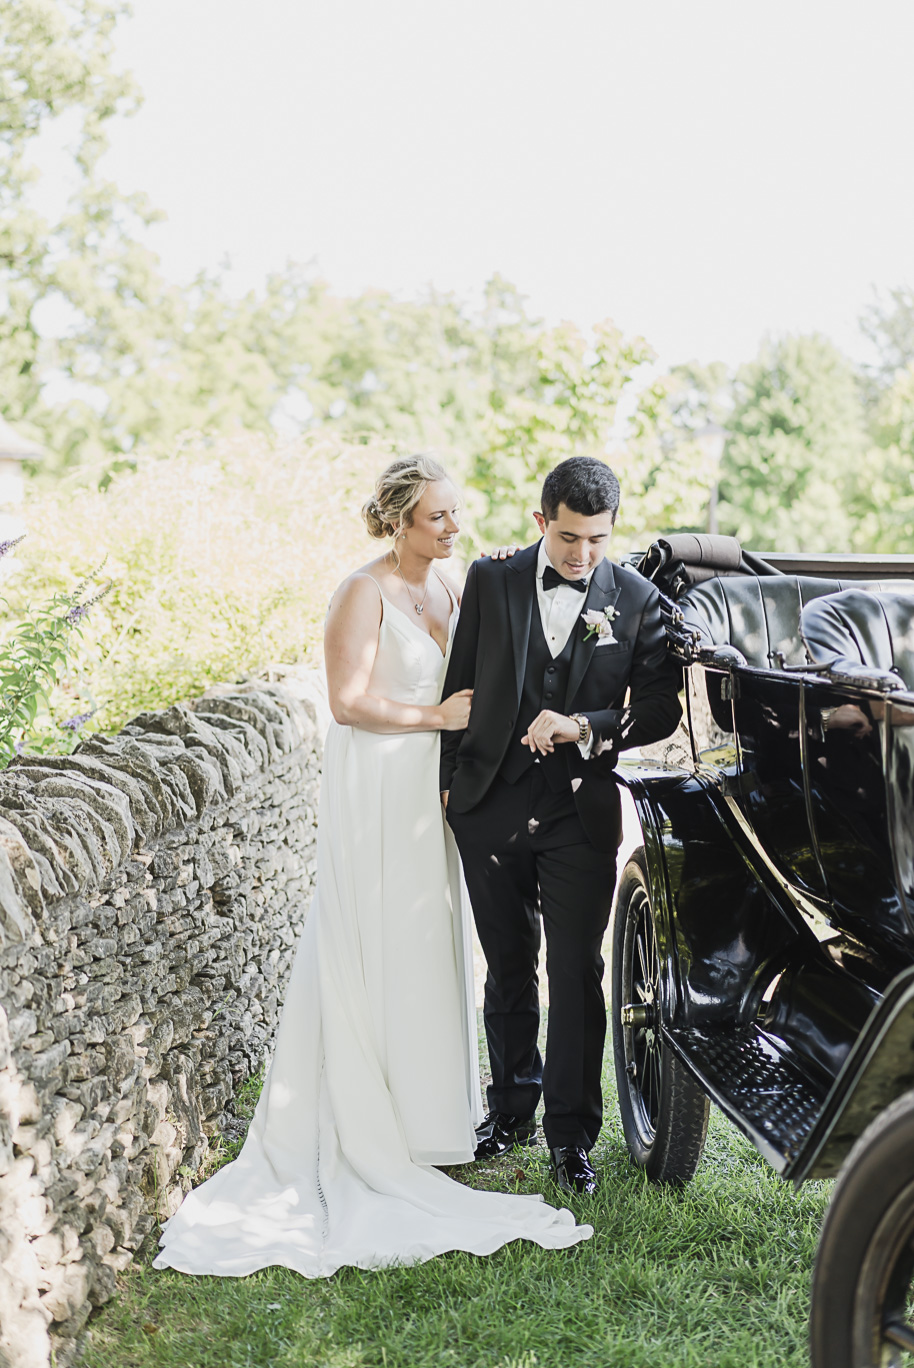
(760, 617)
(856, 628)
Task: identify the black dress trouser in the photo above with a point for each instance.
(524, 854)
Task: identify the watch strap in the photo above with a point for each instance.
(583, 727)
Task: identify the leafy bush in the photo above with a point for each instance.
(34, 658)
(223, 557)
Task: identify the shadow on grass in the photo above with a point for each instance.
(715, 1275)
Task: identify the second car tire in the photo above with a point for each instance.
(865, 1260)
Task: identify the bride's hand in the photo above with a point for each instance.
(455, 711)
(501, 552)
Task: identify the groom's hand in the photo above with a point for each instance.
(548, 729)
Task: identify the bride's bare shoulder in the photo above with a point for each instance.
(358, 594)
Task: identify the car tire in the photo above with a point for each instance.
(865, 1260)
(664, 1111)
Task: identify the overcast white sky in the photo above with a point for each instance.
(703, 172)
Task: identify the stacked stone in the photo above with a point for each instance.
(152, 889)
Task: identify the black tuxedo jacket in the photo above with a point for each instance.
(489, 655)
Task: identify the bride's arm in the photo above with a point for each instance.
(350, 647)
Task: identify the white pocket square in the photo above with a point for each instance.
(607, 641)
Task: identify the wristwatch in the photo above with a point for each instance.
(583, 727)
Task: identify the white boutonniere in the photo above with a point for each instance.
(600, 623)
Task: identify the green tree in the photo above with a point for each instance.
(885, 484)
(551, 393)
(82, 299)
(699, 395)
(889, 325)
(791, 468)
(56, 64)
(665, 473)
(136, 361)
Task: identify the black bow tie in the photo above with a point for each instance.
(553, 580)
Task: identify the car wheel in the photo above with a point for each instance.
(862, 1282)
(664, 1111)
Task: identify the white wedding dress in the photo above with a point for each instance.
(375, 1075)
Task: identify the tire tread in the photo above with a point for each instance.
(879, 1166)
(682, 1127)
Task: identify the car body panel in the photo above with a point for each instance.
(781, 866)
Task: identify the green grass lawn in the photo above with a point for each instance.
(715, 1275)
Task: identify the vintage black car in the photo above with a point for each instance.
(763, 935)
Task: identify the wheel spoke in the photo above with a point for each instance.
(655, 968)
(642, 958)
(900, 1334)
(655, 1072)
(650, 1098)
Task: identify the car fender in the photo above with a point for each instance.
(723, 929)
(879, 1069)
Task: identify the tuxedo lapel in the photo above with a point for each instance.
(602, 593)
(520, 586)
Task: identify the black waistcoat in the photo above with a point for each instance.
(545, 686)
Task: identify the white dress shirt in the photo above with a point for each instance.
(560, 609)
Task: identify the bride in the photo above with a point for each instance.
(374, 1080)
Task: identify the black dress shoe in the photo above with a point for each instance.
(572, 1170)
(499, 1133)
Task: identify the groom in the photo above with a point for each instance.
(530, 796)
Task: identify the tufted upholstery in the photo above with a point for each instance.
(863, 629)
(761, 616)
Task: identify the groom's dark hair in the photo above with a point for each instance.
(584, 485)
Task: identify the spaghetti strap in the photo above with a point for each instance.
(379, 589)
(450, 593)
(360, 575)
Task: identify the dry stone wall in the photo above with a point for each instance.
(152, 888)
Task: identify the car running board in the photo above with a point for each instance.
(754, 1079)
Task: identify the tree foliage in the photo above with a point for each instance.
(790, 470)
(35, 659)
(132, 361)
(84, 268)
(103, 358)
(223, 556)
(665, 474)
(889, 325)
(885, 506)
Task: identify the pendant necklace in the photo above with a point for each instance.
(419, 607)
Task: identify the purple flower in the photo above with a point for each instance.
(74, 723)
(79, 610)
(8, 545)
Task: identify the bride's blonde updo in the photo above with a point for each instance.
(397, 491)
